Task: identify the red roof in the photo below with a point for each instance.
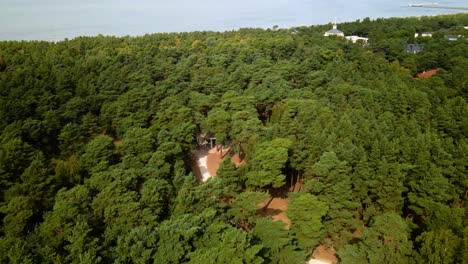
(427, 74)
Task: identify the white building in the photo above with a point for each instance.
(423, 34)
(452, 37)
(355, 39)
(334, 32)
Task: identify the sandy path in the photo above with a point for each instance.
(206, 163)
(325, 255)
(118, 142)
(202, 166)
(199, 168)
(276, 209)
(213, 161)
(316, 261)
(237, 160)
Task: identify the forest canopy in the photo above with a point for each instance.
(97, 136)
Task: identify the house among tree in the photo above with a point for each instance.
(423, 34)
(334, 32)
(355, 39)
(413, 48)
(452, 37)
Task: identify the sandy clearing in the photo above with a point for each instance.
(205, 163)
(283, 218)
(199, 168)
(328, 255)
(237, 160)
(317, 261)
(276, 209)
(213, 161)
(202, 166)
(118, 142)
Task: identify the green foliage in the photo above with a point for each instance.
(268, 160)
(14, 250)
(83, 247)
(218, 121)
(98, 153)
(137, 246)
(245, 206)
(281, 248)
(439, 246)
(138, 142)
(225, 244)
(332, 185)
(97, 137)
(155, 195)
(306, 213)
(71, 206)
(17, 215)
(230, 178)
(68, 170)
(15, 156)
(385, 241)
(175, 239)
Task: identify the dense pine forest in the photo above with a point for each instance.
(97, 137)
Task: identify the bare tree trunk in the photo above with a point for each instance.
(291, 182)
(267, 204)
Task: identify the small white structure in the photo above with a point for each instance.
(423, 34)
(317, 261)
(355, 39)
(452, 37)
(334, 32)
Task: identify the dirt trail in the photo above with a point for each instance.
(213, 161)
(199, 168)
(276, 209)
(237, 160)
(325, 255)
(205, 163)
(118, 142)
(317, 261)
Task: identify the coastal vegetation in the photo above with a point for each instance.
(97, 135)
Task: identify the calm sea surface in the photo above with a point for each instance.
(59, 19)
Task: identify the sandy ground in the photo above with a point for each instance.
(316, 261)
(118, 142)
(357, 232)
(213, 161)
(202, 166)
(276, 209)
(297, 187)
(326, 255)
(237, 160)
(199, 158)
(206, 163)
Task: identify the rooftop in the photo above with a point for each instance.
(427, 74)
(335, 31)
(413, 48)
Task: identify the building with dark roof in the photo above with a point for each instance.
(413, 48)
(334, 32)
(451, 37)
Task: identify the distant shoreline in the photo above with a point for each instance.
(4, 36)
